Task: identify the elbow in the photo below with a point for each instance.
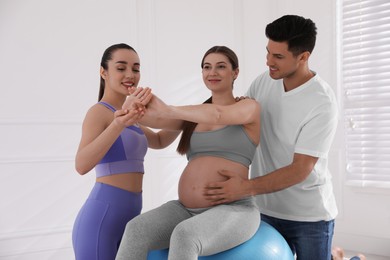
(158, 145)
(154, 146)
(303, 166)
(301, 173)
(304, 173)
(81, 169)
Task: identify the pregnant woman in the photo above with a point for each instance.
(220, 134)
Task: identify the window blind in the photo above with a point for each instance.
(365, 68)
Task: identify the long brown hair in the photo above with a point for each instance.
(189, 127)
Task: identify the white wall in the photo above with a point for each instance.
(49, 62)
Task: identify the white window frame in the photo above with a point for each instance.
(365, 81)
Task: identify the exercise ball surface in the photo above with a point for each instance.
(266, 244)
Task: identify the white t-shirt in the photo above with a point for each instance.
(303, 121)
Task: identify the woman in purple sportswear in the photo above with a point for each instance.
(115, 147)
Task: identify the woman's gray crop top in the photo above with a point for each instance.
(230, 142)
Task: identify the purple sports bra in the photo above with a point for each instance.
(126, 154)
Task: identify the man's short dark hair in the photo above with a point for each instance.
(299, 33)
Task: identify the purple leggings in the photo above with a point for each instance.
(99, 226)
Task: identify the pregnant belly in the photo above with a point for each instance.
(201, 171)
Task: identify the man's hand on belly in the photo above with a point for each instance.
(226, 191)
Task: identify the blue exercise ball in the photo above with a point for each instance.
(266, 244)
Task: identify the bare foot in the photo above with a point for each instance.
(337, 253)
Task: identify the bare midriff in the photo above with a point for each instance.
(201, 171)
(127, 181)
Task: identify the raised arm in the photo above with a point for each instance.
(150, 119)
(98, 135)
(243, 112)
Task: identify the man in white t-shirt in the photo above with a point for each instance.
(289, 173)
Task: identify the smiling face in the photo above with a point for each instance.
(123, 71)
(218, 73)
(281, 62)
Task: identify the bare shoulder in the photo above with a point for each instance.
(98, 109)
(98, 115)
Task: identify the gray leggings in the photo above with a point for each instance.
(189, 233)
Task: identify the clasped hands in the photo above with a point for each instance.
(134, 107)
(137, 103)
